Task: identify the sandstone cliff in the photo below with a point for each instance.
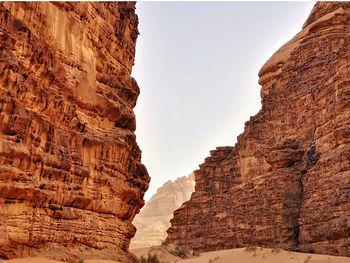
(71, 180)
(286, 182)
(154, 219)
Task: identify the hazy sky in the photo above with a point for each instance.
(197, 66)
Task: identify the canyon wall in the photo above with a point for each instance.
(154, 218)
(286, 183)
(71, 180)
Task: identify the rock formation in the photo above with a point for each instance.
(154, 218)
(71, 180)
(286, 182)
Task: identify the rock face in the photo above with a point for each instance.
(286, 182)
(70, 173)
(154, 218)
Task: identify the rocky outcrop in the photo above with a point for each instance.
(154, 218)
(71, 180)
(286, 182)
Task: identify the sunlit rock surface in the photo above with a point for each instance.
(286, 182)
(71, 180)
(154, 218)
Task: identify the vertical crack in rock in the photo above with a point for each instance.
(312, 156)
(71, 178)
(309, 160)
(286, 182)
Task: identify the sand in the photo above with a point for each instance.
(239, 255)
(46, 260)
(243, 255)
(265, 255)
(31, 260)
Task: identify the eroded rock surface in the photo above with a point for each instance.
(71, 179)
(286, 182)
(154, 218)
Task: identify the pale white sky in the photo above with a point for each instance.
(197, 66)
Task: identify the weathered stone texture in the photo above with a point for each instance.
(70, 171)
(287, 180)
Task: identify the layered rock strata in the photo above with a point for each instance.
(286, 182)
(71, 180)
(154, 218)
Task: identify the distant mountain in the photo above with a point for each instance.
(153, 220)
